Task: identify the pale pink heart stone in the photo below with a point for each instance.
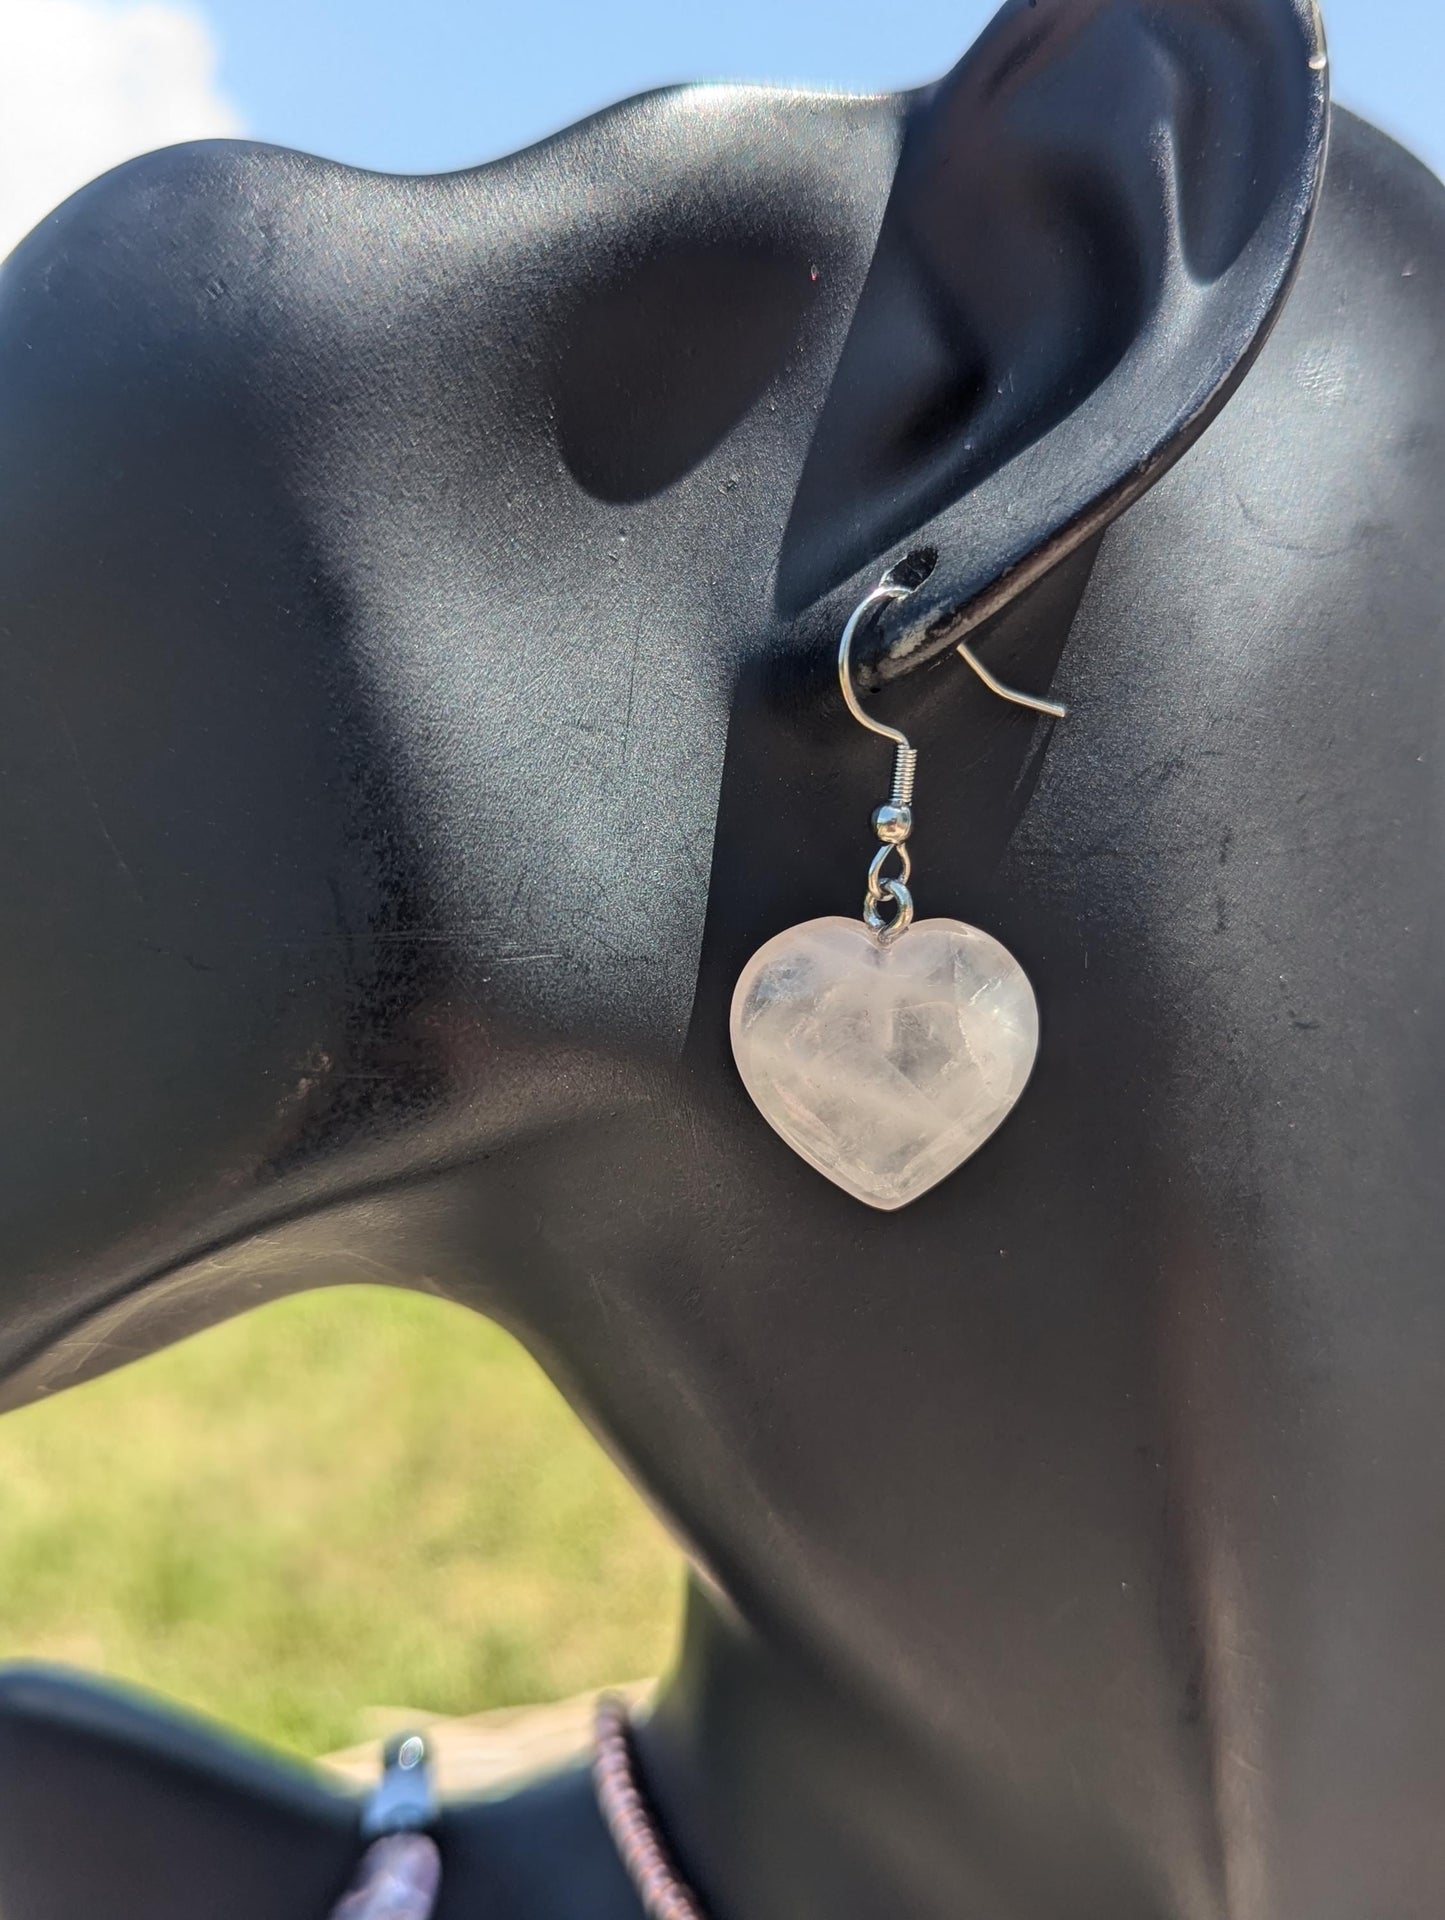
(884, 1066)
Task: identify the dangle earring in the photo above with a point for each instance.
(885, 1051)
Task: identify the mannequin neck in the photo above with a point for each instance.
(782, 1789)
(778, 1791)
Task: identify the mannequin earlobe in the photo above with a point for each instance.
(1095, 220)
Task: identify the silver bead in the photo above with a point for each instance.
(893, 824)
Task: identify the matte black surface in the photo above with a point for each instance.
(116, 1809)
(417, 612)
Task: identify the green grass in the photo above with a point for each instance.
(347, 1500)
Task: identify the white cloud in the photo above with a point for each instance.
(85, 85)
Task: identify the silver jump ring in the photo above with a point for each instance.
(876, 882)
(890, 930)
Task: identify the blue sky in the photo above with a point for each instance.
(417, 85)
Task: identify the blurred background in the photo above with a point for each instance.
(359, 1502)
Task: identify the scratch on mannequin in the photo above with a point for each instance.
(94, 804)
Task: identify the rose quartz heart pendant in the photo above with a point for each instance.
(884, 1064)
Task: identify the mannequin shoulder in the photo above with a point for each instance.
(1378, 249)
(201, 256)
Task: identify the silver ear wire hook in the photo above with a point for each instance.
(893, 822)
(906, 758)
(1055, 709)
(995, 685)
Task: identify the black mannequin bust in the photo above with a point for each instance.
(417, 608)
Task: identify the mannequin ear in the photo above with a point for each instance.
(1094, 222)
